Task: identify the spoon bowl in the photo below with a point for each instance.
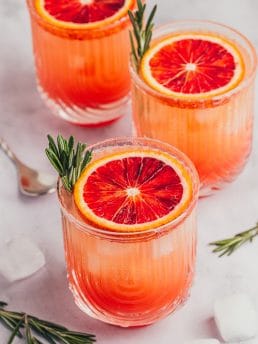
(30, 182)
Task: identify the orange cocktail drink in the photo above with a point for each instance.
(195, 90)
(81, 51)
(130, 231)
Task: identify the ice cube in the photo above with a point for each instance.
(236, 317)
(203, 341)
(20, 258)
(163, 246)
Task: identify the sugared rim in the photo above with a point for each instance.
(242, 84)
(146, 233)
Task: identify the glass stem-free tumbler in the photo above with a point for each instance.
(195, 90)
(81, 56)
(131, 278)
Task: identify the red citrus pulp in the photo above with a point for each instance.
(196, 65)
(83, 13)
(133, 191)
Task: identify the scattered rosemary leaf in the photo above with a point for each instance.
(30, 328)
(230, 245)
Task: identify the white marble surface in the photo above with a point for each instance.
(25, 121)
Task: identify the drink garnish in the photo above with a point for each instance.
(141, 35)
(82, 14)
(192, 65)
(133, 190)
(27, 326)
(230, 245)
(69, 161)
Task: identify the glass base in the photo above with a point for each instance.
(103, 114)
(209, 190)
(134, 319)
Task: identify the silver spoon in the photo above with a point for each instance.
(30, 182)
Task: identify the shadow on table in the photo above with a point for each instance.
(212, 328)
(24, 113)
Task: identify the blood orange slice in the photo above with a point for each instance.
(193, 66)
(133, 191)
(77, 14)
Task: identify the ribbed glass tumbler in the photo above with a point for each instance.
(130, 278)
(82, 70)
(215, 132)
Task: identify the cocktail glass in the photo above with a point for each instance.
(130, 278)
(215, 132)
(82, 73)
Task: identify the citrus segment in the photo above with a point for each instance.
(82, 13)
(194, 65)
(133, 191)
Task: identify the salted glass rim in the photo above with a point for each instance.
(111, 25)
(168, 226)
(243, 83)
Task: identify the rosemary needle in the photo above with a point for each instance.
(230, 245)
(141, 35)
(69, 161)
(30, 328)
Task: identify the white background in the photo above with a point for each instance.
(24, 123)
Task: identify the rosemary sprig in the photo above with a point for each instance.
(68, 161)
(27, 326)
(230, 245)
(142, 34)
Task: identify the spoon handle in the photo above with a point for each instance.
(7, 150)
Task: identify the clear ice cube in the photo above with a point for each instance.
(236, 317)
(20, 258)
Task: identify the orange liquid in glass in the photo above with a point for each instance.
(130, 278)
(215, 133)
(130, 283)
(83, 69)
(217, 138)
